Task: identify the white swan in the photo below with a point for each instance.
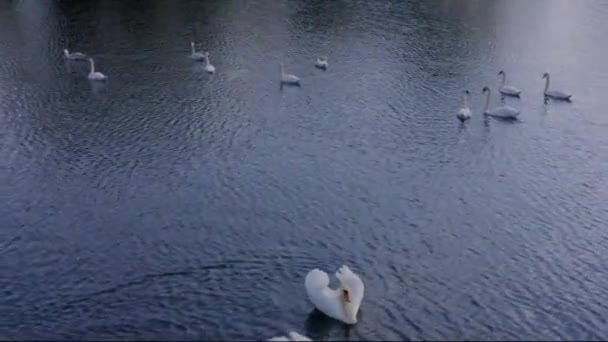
(505, 89)
(322, 63)
(465, 112)
(293, 336)
(503, 112)
(197, 56)
(289, 78)
(554, 94)
(341, 304)
(94, 75)
(75, 55)
(208, 67)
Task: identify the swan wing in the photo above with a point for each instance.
(316, 280)
(279, 338)
(558, 94)
(510, 90)
(504, 112)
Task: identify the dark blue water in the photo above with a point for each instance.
(171, 204)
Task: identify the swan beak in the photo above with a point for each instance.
(346, 296)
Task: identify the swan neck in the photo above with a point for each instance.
(547, 83)
(503, 79)
(466, 100)
(487, 101)
(92, 65)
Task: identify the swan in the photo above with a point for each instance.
(504, 112)
(322, 63)
(465, 112)
(197, 56)
(95, 75)
(342, 303)
(289, 78)
(293, 336)
(554, 94)
(210, 68)
(505, 89)
(75, 55)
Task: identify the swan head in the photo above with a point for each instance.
(351, 293)
(66, 52)
(206, 53)
(501, 72)
(484, 90)
(466, 92)
(546, 75)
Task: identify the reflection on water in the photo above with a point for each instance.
(172, 204)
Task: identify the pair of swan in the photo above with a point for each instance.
(322, 63)
(197, 56)
(512, 91)
(502, 112)
(93, 75)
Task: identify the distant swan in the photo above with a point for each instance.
(342, 303)
(293, 336)
(208, 67)
(503, 112)
(75, 55)
(93, 75)
(465, 112)
(554, 94)
(289, 78)
(505, 89)
(195, 55)
(322, 63)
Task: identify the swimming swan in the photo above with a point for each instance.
(197, 56)
(554, 94)
(289, 78)
(74, 56)
(208, 67)
(322, 63)
(505, 89)
(93, 75)
(465, 112)
(342, 303)
(503, 112)
(293, 336)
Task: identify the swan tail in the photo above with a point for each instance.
(316, 279)
(278, 338)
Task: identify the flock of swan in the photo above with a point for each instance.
(322, 63)
(505, 111)
(343, 302)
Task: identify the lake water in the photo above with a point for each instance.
(171, 204)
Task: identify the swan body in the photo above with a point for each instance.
(74, 56)
(208, 67)
(502, 112)
(289, 78)
(94, 75)
(554, 94)
(293, 336)
(465, 112)
(322, 63)
(342, 303)
(506, 89)
(197, 56)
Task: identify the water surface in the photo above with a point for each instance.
(171, 204)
